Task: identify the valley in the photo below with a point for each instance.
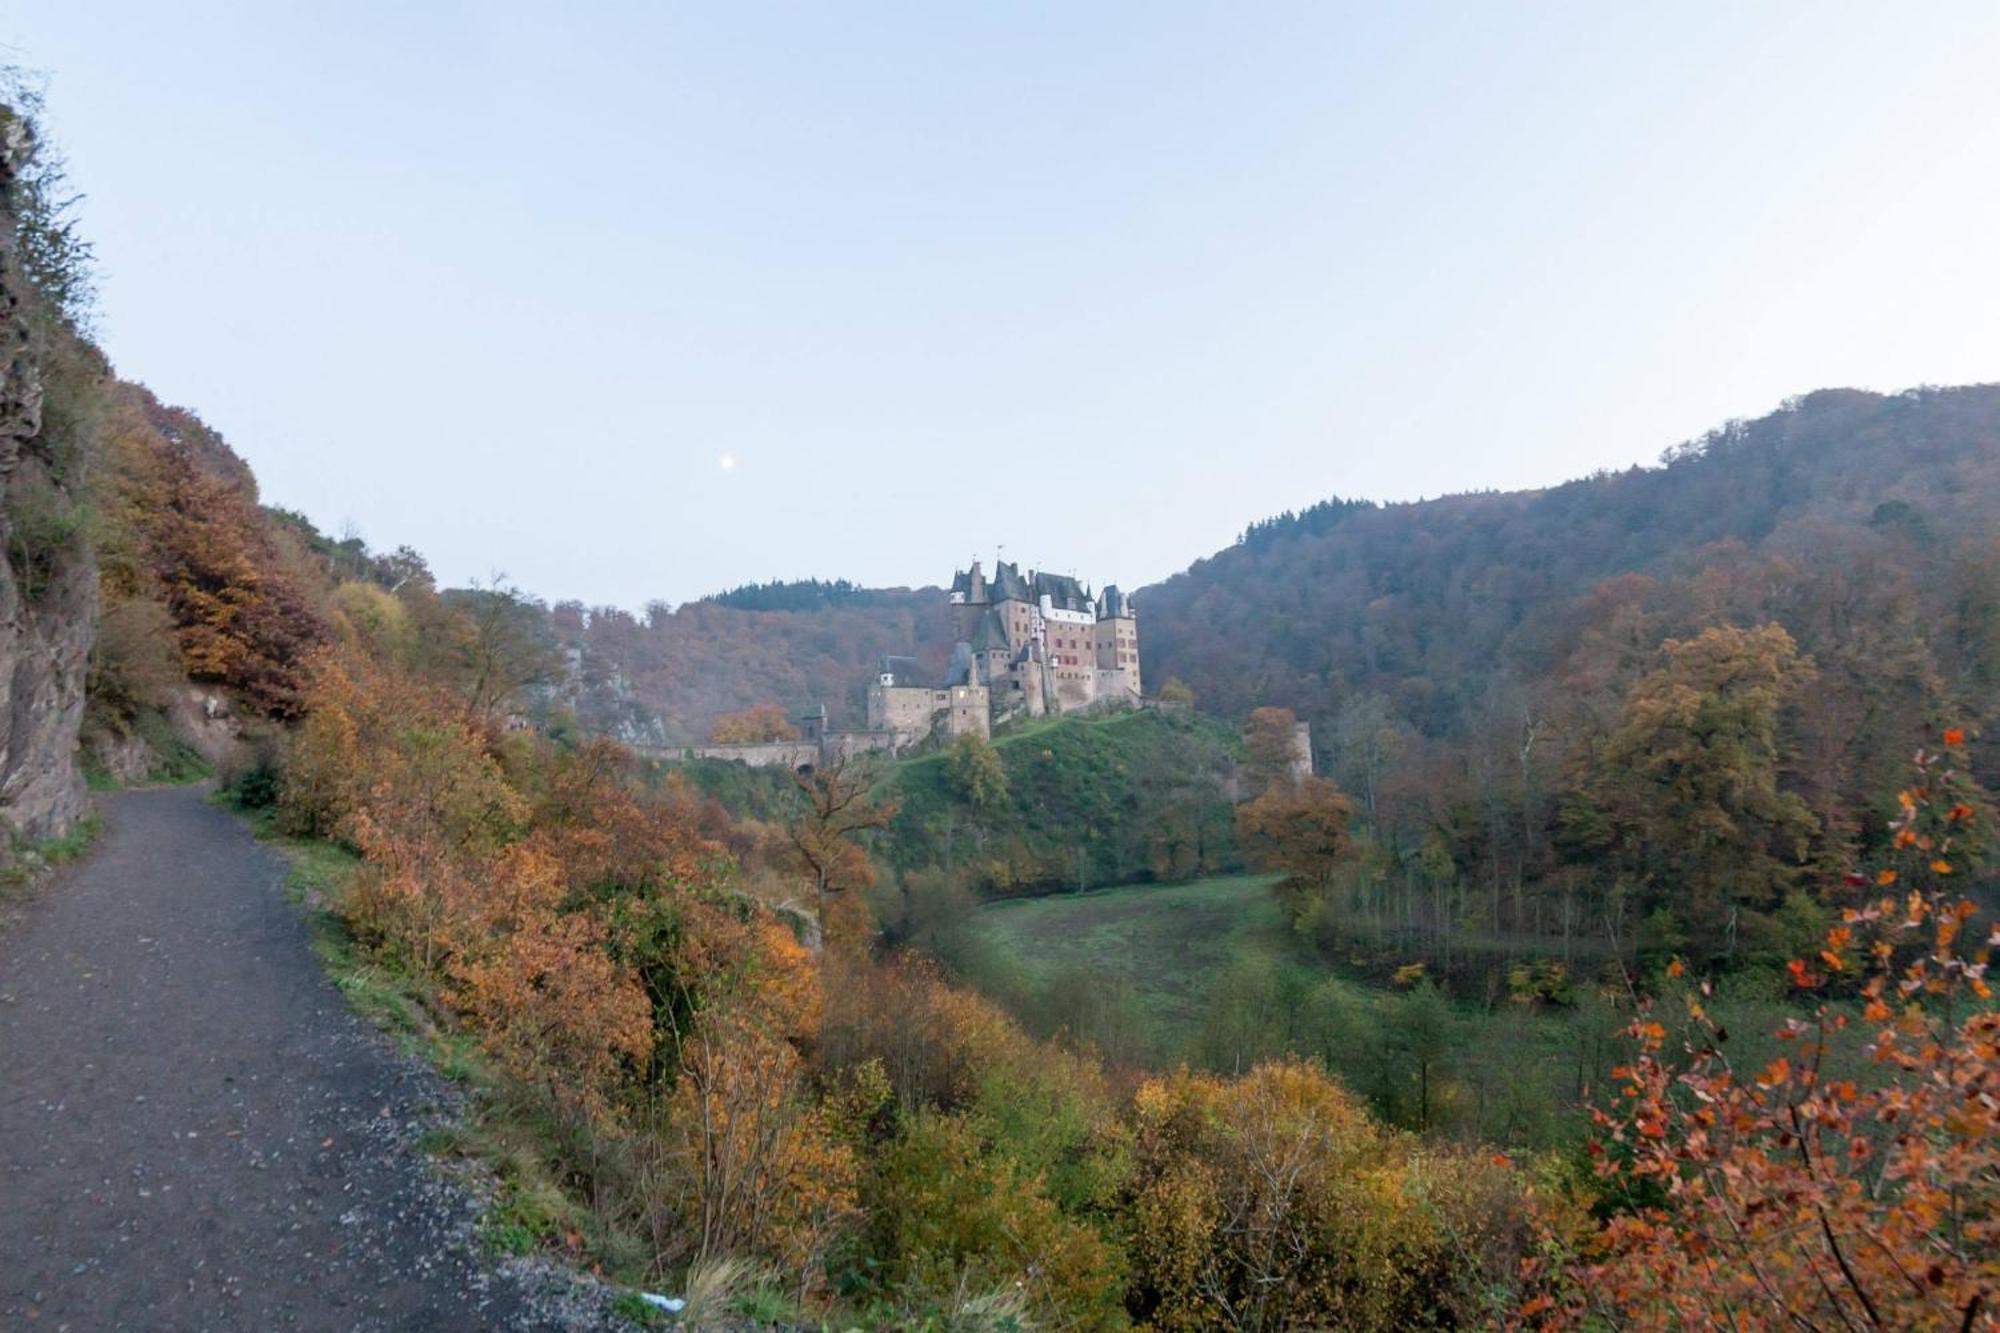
(1566, 907)
(1133, 969)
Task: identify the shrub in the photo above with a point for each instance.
(946, 1216)
(133, 665)
(1272, 1201)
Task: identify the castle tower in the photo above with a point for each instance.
(969, 601)
(1117, 646)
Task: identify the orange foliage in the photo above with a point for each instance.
(933, 1040)
(228, 578)
(730, 1091)
(556, 1009)
(1267, 748)
(396, 753)
(765, 722)
(752, 1162)
(1297, 828)
(1790, 1200)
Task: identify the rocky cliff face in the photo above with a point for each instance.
(48, 578)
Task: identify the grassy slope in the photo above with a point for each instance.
(1207, 972)
(1088, 793)
(1098, 788)
(1163, 943)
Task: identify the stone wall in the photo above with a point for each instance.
(845, 744)
(764, 754)
(903, 709)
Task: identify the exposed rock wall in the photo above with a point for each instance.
(48, 578)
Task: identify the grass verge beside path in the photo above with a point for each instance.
(502, 1136)
(502, 1139)
(31, 860)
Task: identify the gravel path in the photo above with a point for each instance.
(196, 1133)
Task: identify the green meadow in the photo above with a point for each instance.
(1156, 947)
(1209, 973)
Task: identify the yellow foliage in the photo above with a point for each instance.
(934, 1041)
(752, 1165)
(947, 1216)
(1273, 1201)
(398, 751)
(370, 617)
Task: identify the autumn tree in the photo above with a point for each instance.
(1792, 1196)
(558, 1007)
(764, 722)
(1268, 748)
(187, 531)
(1686, 792)
(836, 809)
(1299, 830)
(509, 650)
(498, 647)
(752, 1164)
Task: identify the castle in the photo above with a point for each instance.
(1028, 645)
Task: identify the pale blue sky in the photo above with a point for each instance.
(1103, 283)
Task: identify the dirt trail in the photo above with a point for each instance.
(195, 1132)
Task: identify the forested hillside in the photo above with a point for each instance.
(665, 678)
(1545, 705)
(1427, 604)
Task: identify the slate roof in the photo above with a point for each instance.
(1063, 592)
(988, 634)
(962, 670)
(1008, 585)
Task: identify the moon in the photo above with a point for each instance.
(727, 462)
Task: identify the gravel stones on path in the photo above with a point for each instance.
(195, 1130)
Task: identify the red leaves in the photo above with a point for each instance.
(1835, 1203)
